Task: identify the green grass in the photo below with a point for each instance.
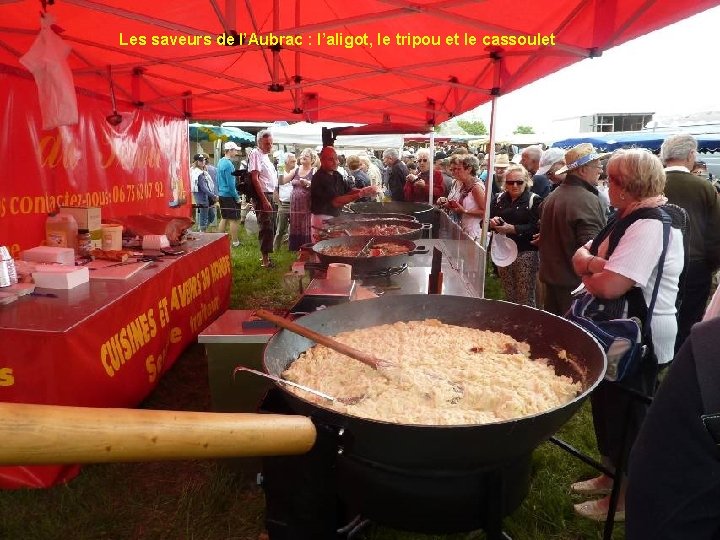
(255, 286)
(213, 500)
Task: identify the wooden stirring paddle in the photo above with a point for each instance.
(329, 342)
(383, 367)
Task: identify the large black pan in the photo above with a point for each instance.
(451, 447)
(346, 218)
(366, 264)
(416, 209)
(355, 228)
(423, 212)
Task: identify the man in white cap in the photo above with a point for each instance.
(552, 160)
(571, 216)
(229, 197)
(502, 162)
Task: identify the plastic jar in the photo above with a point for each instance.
(84, 243)
(61, 230)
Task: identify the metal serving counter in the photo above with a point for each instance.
(414, 280)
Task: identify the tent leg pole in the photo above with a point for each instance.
(431, 188)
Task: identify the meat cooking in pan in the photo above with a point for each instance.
(381, 249)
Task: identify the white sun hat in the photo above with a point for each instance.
(503, 250)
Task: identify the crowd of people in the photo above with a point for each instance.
(283, 195)
(577, 220)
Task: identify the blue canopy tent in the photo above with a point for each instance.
(652, 140)
(208, 132)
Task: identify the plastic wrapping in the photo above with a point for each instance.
(47, 61)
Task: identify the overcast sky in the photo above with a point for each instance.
(642, 75)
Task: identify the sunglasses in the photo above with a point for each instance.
(422, 160)
(514, 182)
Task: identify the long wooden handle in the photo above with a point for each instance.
(52, 434)
(329, 342)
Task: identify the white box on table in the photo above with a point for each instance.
(49, 254)
(60, 276)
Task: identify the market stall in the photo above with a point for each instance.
(108, 342)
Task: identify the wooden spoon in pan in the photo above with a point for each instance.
(329, 342)
(383, 367)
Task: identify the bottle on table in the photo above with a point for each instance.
(84, 243)
(61, 230)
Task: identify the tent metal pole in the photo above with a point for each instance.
(490, 175)
(297, 52)
(276, 53)
(488, 196)
(431, 188)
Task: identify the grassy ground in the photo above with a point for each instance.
(213, 500)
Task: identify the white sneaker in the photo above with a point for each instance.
(236, 244)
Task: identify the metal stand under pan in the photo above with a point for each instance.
(385, 272)
(331, 494)
(319, 270)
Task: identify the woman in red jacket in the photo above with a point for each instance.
(417, 186)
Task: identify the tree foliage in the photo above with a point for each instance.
(524, 130)
(473, 127)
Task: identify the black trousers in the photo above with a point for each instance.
(266, 224)
(692, 297)
(615, 410)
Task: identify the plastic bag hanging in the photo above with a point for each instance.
(47, 61)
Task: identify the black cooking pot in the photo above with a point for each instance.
(366, 264)
(423, 212)
(346, 218)
(355, 228)
(570, 349)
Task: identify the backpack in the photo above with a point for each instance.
(627, 340)
(531, 202)
(243, 183)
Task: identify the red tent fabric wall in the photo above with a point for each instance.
(138, 167)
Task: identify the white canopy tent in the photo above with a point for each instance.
(307, 134)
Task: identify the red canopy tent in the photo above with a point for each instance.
(327, 76)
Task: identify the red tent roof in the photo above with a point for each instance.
(316, 80)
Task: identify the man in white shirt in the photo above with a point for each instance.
(264, 179)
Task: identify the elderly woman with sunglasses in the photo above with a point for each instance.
(417, 186)
(470, 202)
(516, 213)
(637, 180)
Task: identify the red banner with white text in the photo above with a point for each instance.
(140, 166)
(112, 355)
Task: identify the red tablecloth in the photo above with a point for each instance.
(106, 343)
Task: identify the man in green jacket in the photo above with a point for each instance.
(571, 216)
(699, 199)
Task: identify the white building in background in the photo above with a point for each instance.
(604, 122)
(699, 122)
